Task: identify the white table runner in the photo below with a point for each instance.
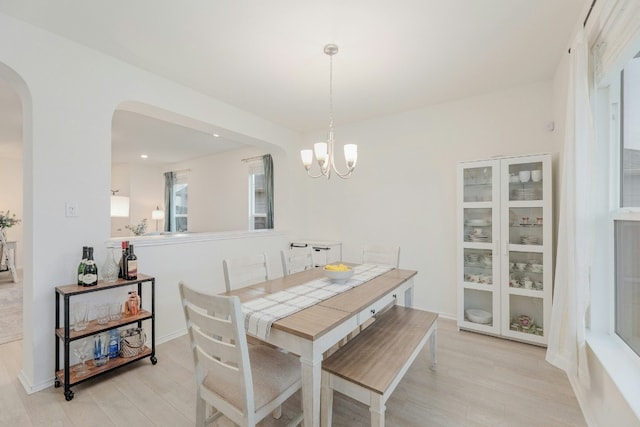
(259, 314)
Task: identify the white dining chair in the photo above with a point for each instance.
(296, 259)
(242, 382)
(381, 255)
(245, 271)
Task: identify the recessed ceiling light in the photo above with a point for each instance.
(215, 135)
(144, 156)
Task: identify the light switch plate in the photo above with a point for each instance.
(71, 209)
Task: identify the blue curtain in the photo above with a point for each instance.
(169, 182)
(267, 163)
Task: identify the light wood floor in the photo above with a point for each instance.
(479, 381)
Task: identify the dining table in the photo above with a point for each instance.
(313, 330)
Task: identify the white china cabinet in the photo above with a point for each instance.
(505, 247)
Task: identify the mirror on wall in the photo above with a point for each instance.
(212, 176)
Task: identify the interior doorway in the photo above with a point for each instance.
(11, 209)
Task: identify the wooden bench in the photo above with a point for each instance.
(370, 366)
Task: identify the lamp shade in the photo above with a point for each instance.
(157, 214)
(120, 206)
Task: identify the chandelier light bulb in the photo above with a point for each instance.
(307, 158)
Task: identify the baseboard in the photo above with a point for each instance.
(30, 388)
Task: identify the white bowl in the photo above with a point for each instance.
(340, 277)
(524, 176)
(476, 315)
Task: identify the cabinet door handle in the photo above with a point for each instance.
(506, 247)
(373, 311)
(298, 245)
(320, 248)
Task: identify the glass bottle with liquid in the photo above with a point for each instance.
(90, 276)
(81, 266)
(131, 264)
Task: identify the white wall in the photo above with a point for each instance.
(69, 105)
(403, 191)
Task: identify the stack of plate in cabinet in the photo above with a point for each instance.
(478, 222)
(478, 237)
(530, 240)
(472, 258)
(525, 194)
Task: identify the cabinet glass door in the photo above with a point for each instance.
(478, 184)
(526, 181)
(526, 237)
(478, 234)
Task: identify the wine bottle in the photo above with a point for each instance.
(132, 265)
(81, 266)
(125, 248)
(90, 277)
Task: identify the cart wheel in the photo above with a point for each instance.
(154, 360)
(68, 395)
(57, 384)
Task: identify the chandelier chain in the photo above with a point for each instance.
(331, 93)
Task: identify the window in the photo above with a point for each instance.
(257, 197)
(180, 194)
(630, 132)
(626, 218)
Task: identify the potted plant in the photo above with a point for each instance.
(8, 220)
(138, 229)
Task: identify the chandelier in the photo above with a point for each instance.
(324, 150)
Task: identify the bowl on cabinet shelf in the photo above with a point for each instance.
(477, 315)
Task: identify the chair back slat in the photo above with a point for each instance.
(296, 259)
(214, 341)
(221, 307)
(245, 271)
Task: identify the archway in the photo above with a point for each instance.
(15, 149)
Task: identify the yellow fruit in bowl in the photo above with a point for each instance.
(337, 267)
(338, 273)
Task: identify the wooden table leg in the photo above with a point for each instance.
(311, 382)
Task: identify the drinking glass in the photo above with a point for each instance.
(80, 351)
(115, 310)
(102, 314)
(80, 313)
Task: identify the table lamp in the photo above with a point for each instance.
(157, 215)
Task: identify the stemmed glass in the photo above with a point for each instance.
(81, 351)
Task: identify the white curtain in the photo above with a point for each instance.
(566, 346)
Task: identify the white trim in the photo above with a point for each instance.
(178, 238)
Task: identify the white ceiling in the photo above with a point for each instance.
(266, 57)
